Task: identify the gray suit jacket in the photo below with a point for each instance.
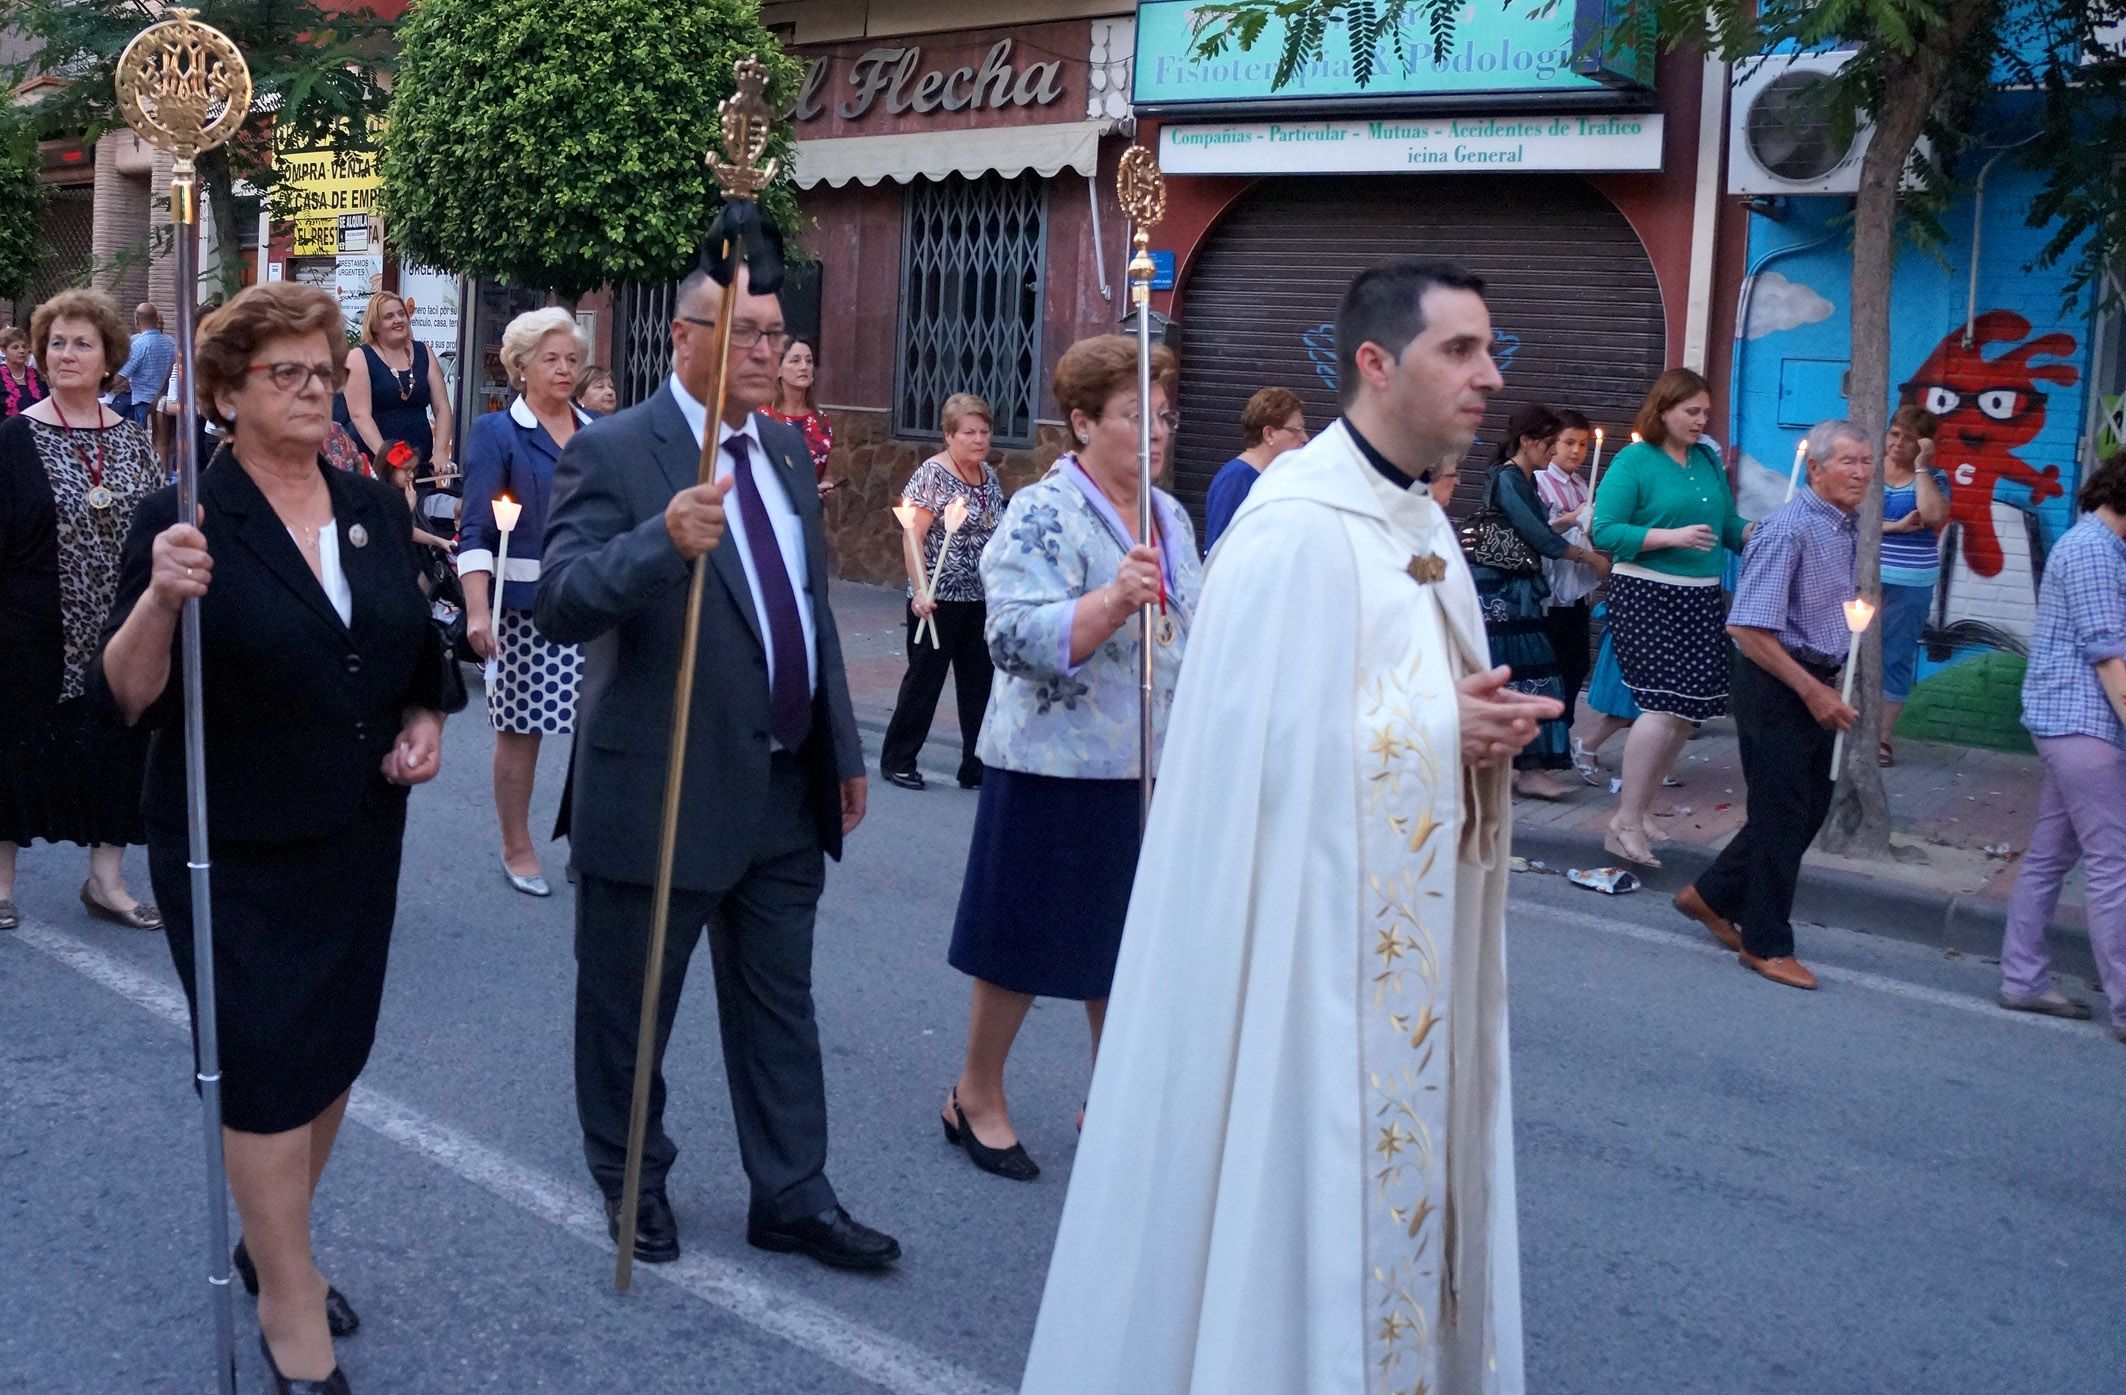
(612, 582)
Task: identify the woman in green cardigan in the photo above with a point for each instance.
(1663, 512)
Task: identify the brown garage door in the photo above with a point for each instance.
(1573, 300)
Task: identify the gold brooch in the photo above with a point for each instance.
(1428, 569)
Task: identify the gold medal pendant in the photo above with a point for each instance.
(1166, 631)
(100, 498)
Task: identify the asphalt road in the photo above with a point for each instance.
(1725, 1187)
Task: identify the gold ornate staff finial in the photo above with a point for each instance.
(747, 122)
(1142, 192)
(183, 87)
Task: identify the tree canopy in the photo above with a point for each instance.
(565, 146)
(21, 202)
(312, 73)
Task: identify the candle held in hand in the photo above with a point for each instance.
(907, 513)
(1793, 477)
(1858, 616)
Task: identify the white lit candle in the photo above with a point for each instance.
(506, 511)
(1858, 615)
(1793, 476)
(1594, 468)
(906, 514)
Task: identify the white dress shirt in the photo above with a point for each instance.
(782, 512)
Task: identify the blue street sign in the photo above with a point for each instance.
(1162, 271)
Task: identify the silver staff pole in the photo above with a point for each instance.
(1142, 193)
(184, 87)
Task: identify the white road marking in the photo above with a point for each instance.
(863, 1351)
(1698, 943)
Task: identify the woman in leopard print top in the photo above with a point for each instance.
(71, 473)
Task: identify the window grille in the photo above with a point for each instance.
(642, 338)
(970, 314)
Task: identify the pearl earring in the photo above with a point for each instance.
(1085, 438)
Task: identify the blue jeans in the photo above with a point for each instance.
(1904, 622)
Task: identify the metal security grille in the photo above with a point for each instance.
(1573, 300)
(970, 317)
(69, 238)
(642, 338)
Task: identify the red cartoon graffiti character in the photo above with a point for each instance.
(1988, 408)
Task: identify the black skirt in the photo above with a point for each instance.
(1048, 882)
(302, 933)
(70, 773)
(1671, 642)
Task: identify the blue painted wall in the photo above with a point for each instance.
(2012, 445)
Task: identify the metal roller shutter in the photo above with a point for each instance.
(1573, 300)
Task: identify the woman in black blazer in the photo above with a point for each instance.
(323, 679)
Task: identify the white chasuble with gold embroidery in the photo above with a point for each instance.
(1296, 1176)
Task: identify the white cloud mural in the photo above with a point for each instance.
(1759, 488)
(1777, 304)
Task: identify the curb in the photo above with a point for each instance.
(1967, 925)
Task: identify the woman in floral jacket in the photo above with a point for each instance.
(1056, 832)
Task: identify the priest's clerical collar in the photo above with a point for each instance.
(1387, 468)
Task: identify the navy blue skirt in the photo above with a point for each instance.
(1048, 882)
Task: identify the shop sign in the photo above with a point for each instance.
(1539, 51)
(316, 237)
(431, 298)
(354, 232)
(897, 75)
(1407, 145)
(354, 280)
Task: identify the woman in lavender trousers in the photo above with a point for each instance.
(2074, 703)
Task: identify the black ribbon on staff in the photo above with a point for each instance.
(740, 230)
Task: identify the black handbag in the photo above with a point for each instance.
(1489, 538)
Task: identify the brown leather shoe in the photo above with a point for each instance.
(1690, 903)
(1785, 969)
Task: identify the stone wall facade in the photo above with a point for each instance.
(871, 468)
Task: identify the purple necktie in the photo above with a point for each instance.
(789, 681)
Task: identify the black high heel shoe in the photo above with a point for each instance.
(334, 1384)
(1011, 1163)
(340, 1318)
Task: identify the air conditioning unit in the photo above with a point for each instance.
(1780, 134)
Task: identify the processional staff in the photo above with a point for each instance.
(183, 87)
(738, 234)
(1142, 193)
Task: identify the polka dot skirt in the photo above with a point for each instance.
(1672, 645)
(534, 689)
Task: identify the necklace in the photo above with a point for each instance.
(98, 497)
(402, 378)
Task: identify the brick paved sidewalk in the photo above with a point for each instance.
(1962, 815)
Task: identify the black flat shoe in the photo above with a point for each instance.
(971, 775)
(334, 1384)
(1012, 1163)
(340, 1317)
(656, 1229)
(906, 779)
(834, 1238)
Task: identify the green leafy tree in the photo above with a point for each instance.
(21, 203)
(1920, 71)
(313, 73)
(565, 146)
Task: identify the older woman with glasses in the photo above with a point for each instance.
(510, 455)
(1272, 423)
(1056, 831)
(323, 676)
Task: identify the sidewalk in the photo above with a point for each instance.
(1962, 816)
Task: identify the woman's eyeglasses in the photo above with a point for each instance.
(291, 377)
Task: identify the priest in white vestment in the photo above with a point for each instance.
(1296, 1176)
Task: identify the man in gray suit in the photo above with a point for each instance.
(773, 769)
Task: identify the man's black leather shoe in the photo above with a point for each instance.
(906, 779)
(833, 1238)
(656, 1232)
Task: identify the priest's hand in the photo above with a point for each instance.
(694, 518)
(1496, 721)
(854, 793)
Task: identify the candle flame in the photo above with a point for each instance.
(1636, 438)
(955, 515)
(1858, 614)
(906, 514)
(506, 511)
(1598, 435)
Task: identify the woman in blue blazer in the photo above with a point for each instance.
(531, 681)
